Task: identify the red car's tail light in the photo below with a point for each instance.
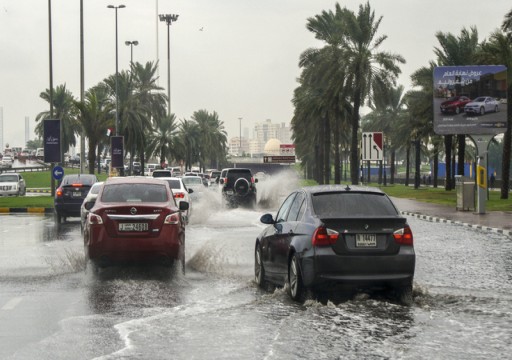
(179, 195)
(58, 192)
(172, 219)
(324, 237)
(403, 236)
(95, 219)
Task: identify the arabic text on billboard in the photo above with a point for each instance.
(116, 146)
(51, 130)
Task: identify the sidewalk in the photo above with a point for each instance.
(496, 221)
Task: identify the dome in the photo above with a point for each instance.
(272, 147)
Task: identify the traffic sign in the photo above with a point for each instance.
(372, 146)
(58, 172)
(279, 159)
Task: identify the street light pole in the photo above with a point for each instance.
(169, 18)
(117, 69)
(130, 44)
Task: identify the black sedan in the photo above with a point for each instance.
(70, 195)
(331, 238)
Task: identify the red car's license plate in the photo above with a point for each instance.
(366, 240)
(133, 227)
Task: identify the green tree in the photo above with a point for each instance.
(162, 139)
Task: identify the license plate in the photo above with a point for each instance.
(77, 194)
(133, 227)
(366, 240)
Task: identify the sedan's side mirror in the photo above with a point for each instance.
(184, 205)
(267, 219)
(89, 205)
(190, 190)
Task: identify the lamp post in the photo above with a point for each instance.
(131, 44)
(117, 69)
(169, 18)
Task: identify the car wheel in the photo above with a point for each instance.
(295, 284)
(496, 109)
(457, 110)
(404, 295)
(259, 271)
(482, 111)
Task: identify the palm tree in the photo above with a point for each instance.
(498, 50)
(65, 111)
(188, 139)
(95, 117)
(162, 139)
(209, 133)
(456, 51)
(364, 64)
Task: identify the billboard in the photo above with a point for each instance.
(470, 99)
(51, 132)
(117, 149)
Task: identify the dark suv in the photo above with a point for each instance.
(238, 187)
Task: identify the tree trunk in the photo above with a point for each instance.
(436, 166)
(507, 139)
(327, 150)
(407, 161)
(392, 169)
(461, 152)
(337, 156)
(354, 145)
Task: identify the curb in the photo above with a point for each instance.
(32, 210)
(45, 191)
(447, 221)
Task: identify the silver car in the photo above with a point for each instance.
(12, 185)
(482, 105)
(91, 196)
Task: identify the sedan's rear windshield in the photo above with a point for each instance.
(196, 180)
(134, 193)
(174, 184)
(346, 204)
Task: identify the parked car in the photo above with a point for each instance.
(90, 197)
(7, 161)
(455, 104)
(181, 194)
(336, 237)
(238, 187)
(134, 220)
(482, 105)
(70, 195)
(12, 184)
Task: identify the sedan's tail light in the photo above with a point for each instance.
(324, 236)
(58, 192)
(95, 219)
(403, 236)
(172, 219)
(179, 195)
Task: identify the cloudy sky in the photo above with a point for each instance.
(243, 63)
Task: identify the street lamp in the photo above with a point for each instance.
(169, 18)
(131, 44)
(117, 70)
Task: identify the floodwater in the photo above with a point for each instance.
(462, 298)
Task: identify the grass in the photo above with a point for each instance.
(37, 180)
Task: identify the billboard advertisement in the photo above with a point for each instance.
(116, 146)
(51, 142)
(470, 99)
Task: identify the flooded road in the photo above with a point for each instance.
(51, 308)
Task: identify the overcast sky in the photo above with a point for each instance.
(243, 63)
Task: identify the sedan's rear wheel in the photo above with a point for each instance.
(259, 271)
(296, 286)
(482, 111)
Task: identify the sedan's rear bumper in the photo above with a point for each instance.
(326, 270)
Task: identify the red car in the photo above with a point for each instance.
(455, 104)
(135, 220)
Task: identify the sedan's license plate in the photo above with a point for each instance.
(366, 240)
(77, 194)
(133, 227)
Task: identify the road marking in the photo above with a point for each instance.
(11, 304)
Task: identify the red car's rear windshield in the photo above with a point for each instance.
(134, 193)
